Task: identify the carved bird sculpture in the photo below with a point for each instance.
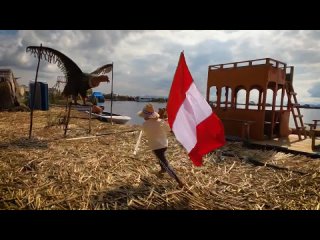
(77, 82)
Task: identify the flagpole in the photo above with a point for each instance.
(210, 135)
(180, 59)
(111, 94)
(137, 144)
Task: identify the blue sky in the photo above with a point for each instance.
(145, 61)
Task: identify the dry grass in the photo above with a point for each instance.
(51, 172)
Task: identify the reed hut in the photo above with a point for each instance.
(10, 91)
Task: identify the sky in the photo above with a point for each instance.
(145, 60)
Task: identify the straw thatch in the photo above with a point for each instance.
(99, 170)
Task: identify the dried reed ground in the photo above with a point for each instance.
(51, 172)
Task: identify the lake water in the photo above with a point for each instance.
(130, 108)
(308, 116)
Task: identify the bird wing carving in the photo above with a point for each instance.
(70, 69)
(103, 69)
(77, 81)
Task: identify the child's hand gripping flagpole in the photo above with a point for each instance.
(137, 144)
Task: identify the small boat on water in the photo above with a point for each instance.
(144, 99)
(106, 116)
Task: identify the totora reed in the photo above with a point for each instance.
(99, 171)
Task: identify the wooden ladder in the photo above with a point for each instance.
(294, 105)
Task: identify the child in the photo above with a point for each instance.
(156, 132)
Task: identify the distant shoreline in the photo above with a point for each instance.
(310, 107)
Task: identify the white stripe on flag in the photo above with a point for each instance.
(193, 111)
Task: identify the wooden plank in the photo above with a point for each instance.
(245, 131)
(237, 120)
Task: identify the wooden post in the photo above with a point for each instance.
(111, 94)
(313, 135)
(247, 99)
(137, 144)
(68, 118)
(90, 119)
(260, 100)
(34, 92)
(275, 91)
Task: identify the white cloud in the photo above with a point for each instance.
(145, 61)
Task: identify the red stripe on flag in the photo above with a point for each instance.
(210, 136)
(180, 85)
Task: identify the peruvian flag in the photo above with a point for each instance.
(190, 117)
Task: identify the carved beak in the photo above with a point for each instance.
(97, 80)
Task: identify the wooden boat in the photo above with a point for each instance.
(82, 108)
(106, 116)
(144, 99)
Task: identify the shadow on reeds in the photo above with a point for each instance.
(26, 143)
(146, 196)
